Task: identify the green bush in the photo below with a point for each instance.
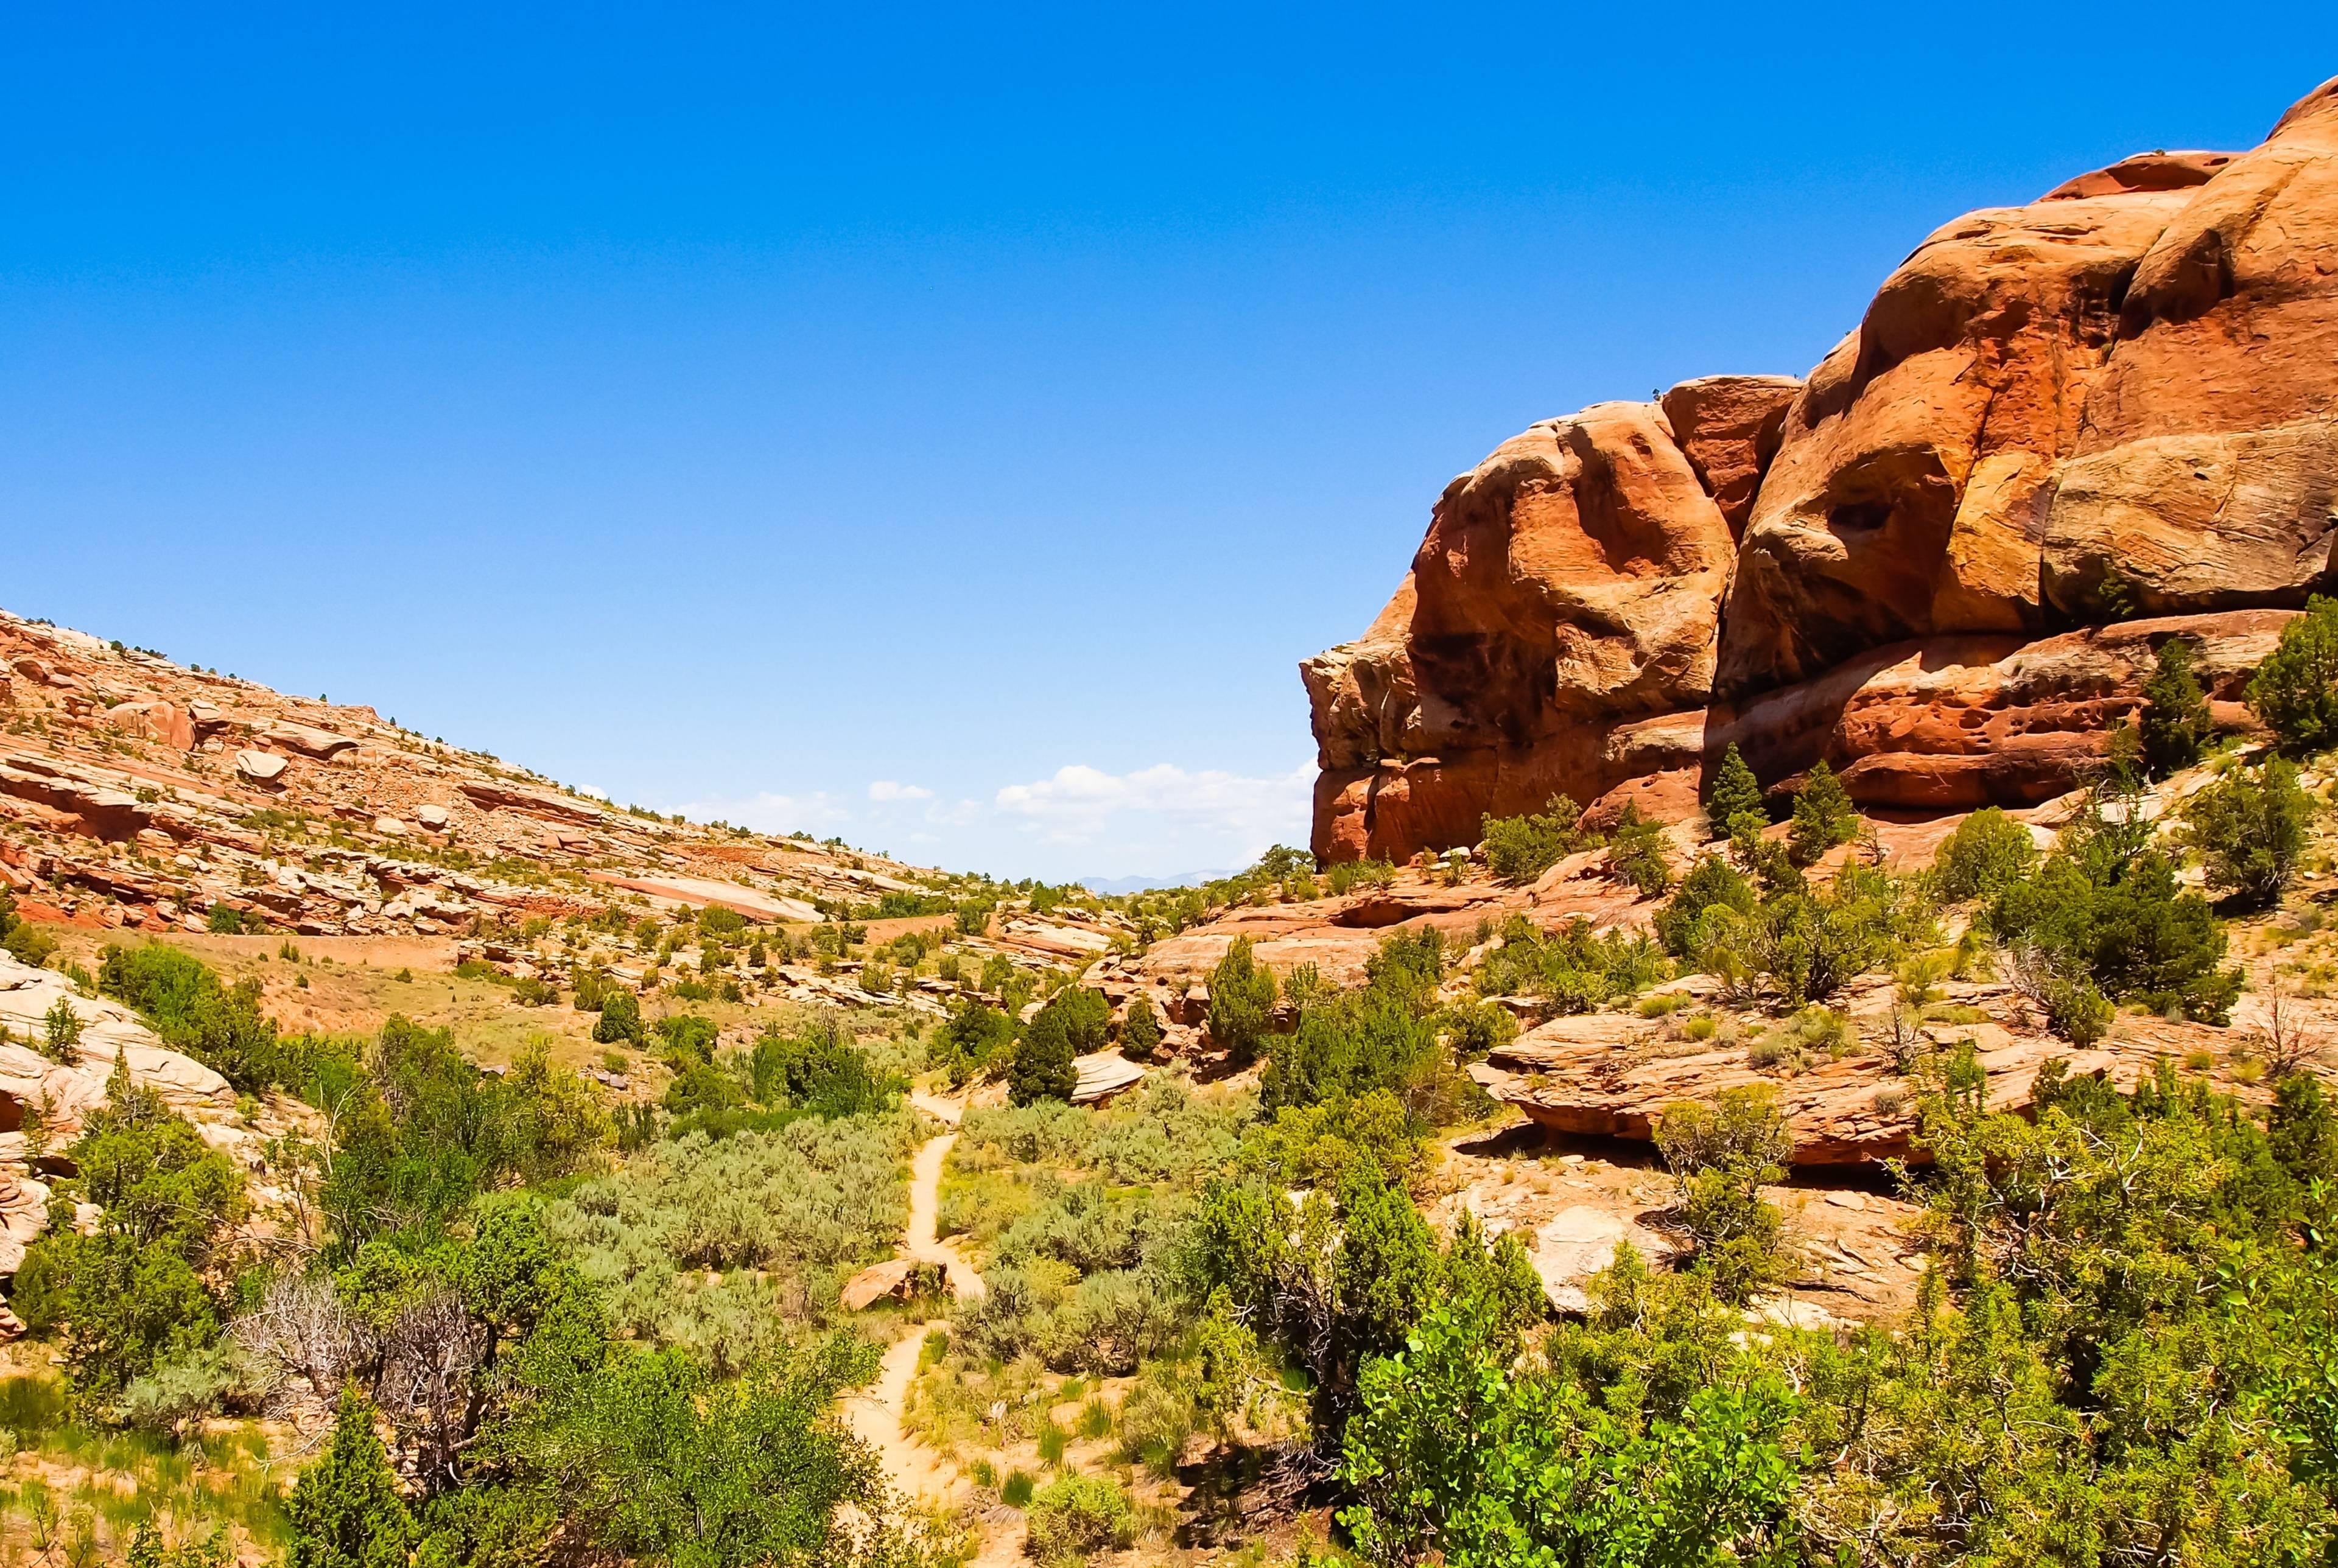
(61, 1029)
(819, 1069)
(180, 995)
(2107, 903)
(128, 1297)
(225, 920)
(2250, 830)
(1241, 1002)
(1077, 1515)
(1824, 817)
(2296, 689)
(1988, 852)
(1086, 1017)
(1140, 1031)
(27, 944)
(1521, 848)
(620, 1019)
(1720, 1156)
(2175, 724)
(346, 1511)
(973, 1039)
(1043, 1067)
(1574, 969)
(1710, 882)
(1639, 851)
(1809, 943)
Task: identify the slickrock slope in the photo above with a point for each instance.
(2062, 433)
(42, 1102)
(135, 792)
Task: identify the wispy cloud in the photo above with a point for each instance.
(1227, 815)
(1078, 820)
(770, 813)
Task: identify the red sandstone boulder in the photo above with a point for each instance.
(2206, 472)
(1909, 493)
(1578, 571)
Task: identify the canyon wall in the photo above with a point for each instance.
(1942, 560)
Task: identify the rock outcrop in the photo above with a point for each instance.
(1924, 561)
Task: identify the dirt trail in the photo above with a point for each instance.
(877, 1416)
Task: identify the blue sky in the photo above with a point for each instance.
(944, 428)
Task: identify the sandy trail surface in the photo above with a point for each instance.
(877, 1415)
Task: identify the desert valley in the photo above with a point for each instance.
(1801, 1035)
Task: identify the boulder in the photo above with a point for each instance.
(1580, 1241)
(1909, 493)
(894, 1279)
(322, 745)
(258, 767)
(1578, 570)
(153, 721)
(1103, 1076)
(433, 817)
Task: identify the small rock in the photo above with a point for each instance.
(259, 767)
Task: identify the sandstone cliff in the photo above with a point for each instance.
(2061, 434)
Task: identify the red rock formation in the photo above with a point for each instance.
(2119, 399)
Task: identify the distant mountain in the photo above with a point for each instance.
(1113, 886)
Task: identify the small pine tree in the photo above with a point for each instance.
(1140, 1032)
(1736, 793)
(346, 1511)
(2174, 719)
(1043, 1068)
(1242, 1000)
(1824, 817)
(2296, 689)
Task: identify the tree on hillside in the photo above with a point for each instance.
(1242, 1000)
(1043, 1068)
(1736, 793)
(2174, 721)
(346, 1511)
(2250, 830)
(1824, 816)
(2296, 689)
(1140, 1032)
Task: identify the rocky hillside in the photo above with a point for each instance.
(141, 795)
(2062, 433)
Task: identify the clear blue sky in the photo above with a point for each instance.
(857, 417)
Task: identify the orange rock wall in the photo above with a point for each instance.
(1943, 561)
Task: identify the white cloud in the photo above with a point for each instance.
(1163, 812)
(1078, 821)
(769, 813)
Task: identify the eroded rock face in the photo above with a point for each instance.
(1578, 570)
(1910, 491)
(1729, 427)
(2114, 406)
(2205, 474)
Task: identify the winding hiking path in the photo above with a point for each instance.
(878, 1414)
